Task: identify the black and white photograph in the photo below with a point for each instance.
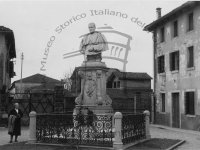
(99, 75)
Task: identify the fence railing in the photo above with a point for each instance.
(90, 130)
(95, 130)
(133, 128)
(39, 102)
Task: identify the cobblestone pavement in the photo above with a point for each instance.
(5, 138)
(192, 138)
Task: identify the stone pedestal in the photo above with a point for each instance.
(117, 143)
(93, 88)
(147, 124)
(32, 127)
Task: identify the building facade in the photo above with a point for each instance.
(176, 39)
(34, 83)
(130, 91)
(7, 54)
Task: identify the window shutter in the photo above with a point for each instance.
(178, 60)
(163, 64)
(191, 57)
(170, 61)
(185, 97)
(191, 103)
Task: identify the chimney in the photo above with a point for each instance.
(158, 12)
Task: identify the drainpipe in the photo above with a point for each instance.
(158, 12)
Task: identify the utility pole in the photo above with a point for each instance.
(22, 58)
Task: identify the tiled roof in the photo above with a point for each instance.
(38, 78)
(126, 93)
(171, 15)
(132, 75)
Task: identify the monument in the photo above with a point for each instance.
(93, 74)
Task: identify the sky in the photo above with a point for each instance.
(45, 30)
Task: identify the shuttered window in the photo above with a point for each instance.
(174, 61)
(161, 64)
(190, 57)
(162, 34)
(162, 102)
(189, 103)
(190, 22)
(175, 25)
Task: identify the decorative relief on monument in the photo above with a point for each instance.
(99, 72)
(78, 100)
(90, 85)
(81, 74)
(108, 101)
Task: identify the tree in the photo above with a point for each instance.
(67, 80)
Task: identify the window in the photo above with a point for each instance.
(115, 85)
(190, 22)
(189, 103)
(162, 34)
(190, 57)
(118, 84)
(161, 64)
(175, 25)
(162, 102)
(174, 61)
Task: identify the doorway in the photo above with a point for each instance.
(175, 110)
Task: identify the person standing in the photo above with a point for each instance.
(14, 122)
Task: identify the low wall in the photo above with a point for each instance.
(190, 122)
(162, 119)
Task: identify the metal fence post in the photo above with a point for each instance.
(117, 144)
(147, 120)
(29, 102)
(32, 127)
(152, 108)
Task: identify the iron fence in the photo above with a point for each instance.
(39, 102)
(133, 128)
(95, 130)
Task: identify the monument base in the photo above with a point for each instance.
(93, 96)
(93, 85)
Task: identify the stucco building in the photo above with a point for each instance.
(7, 54)
(34, 83)
(176, 48)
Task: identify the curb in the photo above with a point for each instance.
(176, 145)
(12, 143)
(64, 145)
(176, 129)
